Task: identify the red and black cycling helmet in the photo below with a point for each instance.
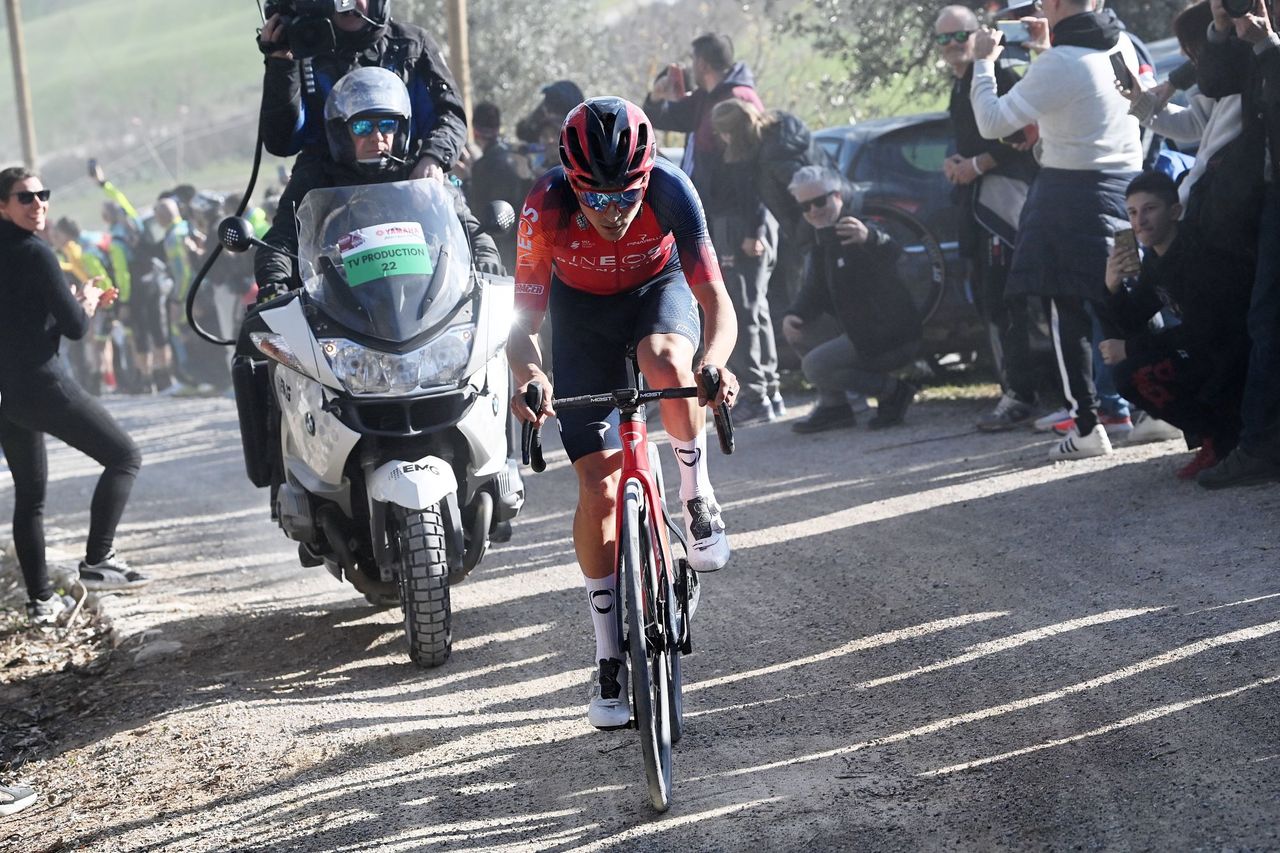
(607, 144)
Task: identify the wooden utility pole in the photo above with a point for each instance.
(460, 52)
(22, 92)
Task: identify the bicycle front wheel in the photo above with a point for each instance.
(650, 687)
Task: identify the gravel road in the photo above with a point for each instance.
(928, 639)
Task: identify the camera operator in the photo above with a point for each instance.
(367, 120)
(295, 88)
(1089, 151)
(1190, 374)
(1242, 56)
(851, 276)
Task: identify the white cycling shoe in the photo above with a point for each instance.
(706, 537)
(609, 708)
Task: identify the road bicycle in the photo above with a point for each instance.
(656, 595)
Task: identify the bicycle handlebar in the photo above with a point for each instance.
(623, 398)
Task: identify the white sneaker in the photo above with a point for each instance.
(111, 573)
(49, 611)
(704, 529)
(609, 708)
(1076, 446)
(1045, 424)
(1147, 429)
(15, 798)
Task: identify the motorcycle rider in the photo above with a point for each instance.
(368, 117)
(295, 91)
(615, 243)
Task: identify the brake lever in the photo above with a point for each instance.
(720, 414)
(530, 440)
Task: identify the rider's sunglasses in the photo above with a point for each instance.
(27, 196)
(366, 126)
(600, 202)
(820, 201)
(959, 37)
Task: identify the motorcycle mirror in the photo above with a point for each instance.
(497, 218)
(236, 234)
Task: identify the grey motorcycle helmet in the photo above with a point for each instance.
(367, 93)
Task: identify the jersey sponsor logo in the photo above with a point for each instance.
(531, 289)
(631, 260)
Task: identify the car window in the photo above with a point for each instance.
(912, 155)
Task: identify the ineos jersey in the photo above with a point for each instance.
(555, 238)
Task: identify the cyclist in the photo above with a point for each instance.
(614, 243)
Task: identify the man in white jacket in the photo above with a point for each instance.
(1089, 149)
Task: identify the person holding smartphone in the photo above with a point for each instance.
(1090, 149)
(1190, 375)
(38, 396)
(851, 278)
(990, 177)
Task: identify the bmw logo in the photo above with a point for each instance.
(310, 423)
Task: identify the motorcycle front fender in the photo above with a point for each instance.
(413, 485)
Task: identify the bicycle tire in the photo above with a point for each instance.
(649, 673)
(672, 607)
(923, 263)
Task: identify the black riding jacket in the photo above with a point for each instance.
(294, 92)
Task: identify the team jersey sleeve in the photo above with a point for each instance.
(676, 204)
(533, 255)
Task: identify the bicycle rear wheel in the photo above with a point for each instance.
(650, 685)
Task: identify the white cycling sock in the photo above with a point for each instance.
(691, 459)
(602, 599)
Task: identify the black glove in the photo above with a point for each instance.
(271, 290)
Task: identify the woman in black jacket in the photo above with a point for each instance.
(38, 396)
(769, 149)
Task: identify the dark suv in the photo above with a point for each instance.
(896, 164)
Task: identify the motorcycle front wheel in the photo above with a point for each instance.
(424, 585)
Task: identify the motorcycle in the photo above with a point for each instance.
(373, 401)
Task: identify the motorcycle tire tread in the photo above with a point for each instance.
(425, 588)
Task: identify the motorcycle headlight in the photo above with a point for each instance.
(367, 371)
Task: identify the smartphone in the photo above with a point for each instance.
(93, 168)
(1014, 32)
(675, 74)
(1122, 72)
(1126, 240)
(827, 236)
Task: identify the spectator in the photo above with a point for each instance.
(541, 127)
(87, 264)
(176, 249)
(293, 122)
(38, 396)
(990, 177)
(766, 149)
(743, 231)
(1190, 374)
(852, 276)
(1243, 55)
(1090, 150)
(149, 284)
(497, 175)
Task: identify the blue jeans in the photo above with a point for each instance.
(1109, 400)
(1261, 409)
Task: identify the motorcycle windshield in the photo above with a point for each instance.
(388, 261)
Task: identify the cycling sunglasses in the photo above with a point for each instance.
(366, 126)
(959, 37)
(600, 202)
(820, 201)
(27, 196)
